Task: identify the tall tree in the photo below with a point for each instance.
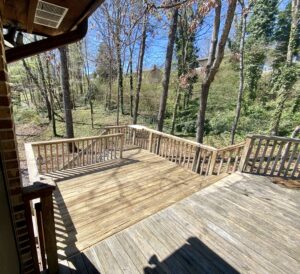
(140, 68)
(167, 72)
(243, 23)
(288, 71)
(260, 30)
(186, 53)
(66, 92)
(216, 54)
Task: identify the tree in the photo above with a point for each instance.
(241, 70)
(43, 88)
(64, 72)
(260, 33)
(167, 72)
(216, 54)
(186, 53)
(140, 68)
(287, 70)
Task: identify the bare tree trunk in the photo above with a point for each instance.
(177, 101)
(140, 70)
(51, 99)
(90, 95)
(131, 82)
(216, 54)
(110, 87)
(241, 84)
(66, 93)
(167, 72)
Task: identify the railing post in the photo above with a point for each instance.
(212, 162)
(150, 141)
(49, 231)
(245, 155)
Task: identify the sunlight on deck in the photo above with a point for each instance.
(241, 224)
(103, 199)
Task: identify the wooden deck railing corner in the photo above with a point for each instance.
(44, 215)
(271, 156)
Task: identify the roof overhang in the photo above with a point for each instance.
(60, 21)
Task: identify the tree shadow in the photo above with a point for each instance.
(71, 259)
(193, 257)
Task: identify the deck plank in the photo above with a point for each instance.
(90, 208)
(136, 218)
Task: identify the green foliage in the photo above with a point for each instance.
(27, 115)
(261, 23)
(260, 34)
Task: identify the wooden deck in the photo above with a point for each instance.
(241, 224)
(93, 203)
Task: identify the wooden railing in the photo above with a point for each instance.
(271, 156)
(199, 158)
(44, 220)
(50, 156)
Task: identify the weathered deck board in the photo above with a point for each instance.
(91, 207)
(237, 225)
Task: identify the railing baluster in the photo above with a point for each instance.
(255, 155)
(276, 159)
(57, 155)
(51, 155)
(270, 157)
(46, 160)
(291, 159)
(262, 158)
(63, 154)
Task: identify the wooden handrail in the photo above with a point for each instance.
(73, 139)
(138, 127)
(45, 223)
(277, 138)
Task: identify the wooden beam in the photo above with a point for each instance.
(2, 4)
(40, 46)
(30, 14)
(88, 11)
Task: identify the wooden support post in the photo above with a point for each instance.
(49, 232)
(245, 154)
(212, 162)
(39, 219)
(28, 216)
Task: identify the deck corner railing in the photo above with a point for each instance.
(56, 155)
(202, 159)
(271, 156)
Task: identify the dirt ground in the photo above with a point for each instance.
(26, 133)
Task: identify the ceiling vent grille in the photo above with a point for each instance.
(49, 15)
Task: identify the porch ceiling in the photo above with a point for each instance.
(22, 13)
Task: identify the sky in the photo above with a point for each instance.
(156, 45)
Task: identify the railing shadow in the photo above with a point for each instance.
(64, 227)
(193, 257)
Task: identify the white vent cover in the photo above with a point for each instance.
(49, 15)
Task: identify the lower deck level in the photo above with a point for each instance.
(240, 224)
